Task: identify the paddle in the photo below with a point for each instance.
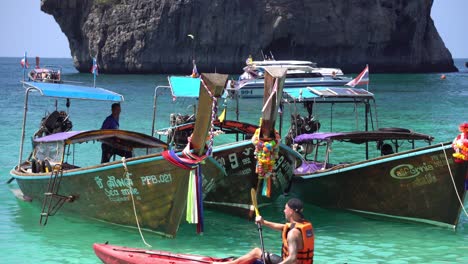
(253, 193)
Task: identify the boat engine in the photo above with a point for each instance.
(54, 122)
(301, 125)
(178, 135)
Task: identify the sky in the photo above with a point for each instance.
(27, 28)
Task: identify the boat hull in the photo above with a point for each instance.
(232, 193)
(159, 191)
(415, 185)
(111, 254)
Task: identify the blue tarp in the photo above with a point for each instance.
(315, 92)
(62, 90)
(184, 86)
(299, 93)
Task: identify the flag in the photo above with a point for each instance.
(362, 78)
(222, 116)
(94, 69)
(194, 71)
(24, 62)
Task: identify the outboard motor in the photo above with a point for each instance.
(301, 125)
(54, 122)
(179, 137)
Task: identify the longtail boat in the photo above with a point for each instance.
(111, 254)
(236, 154)
(47, 73)
(381, 172)
(144, 190)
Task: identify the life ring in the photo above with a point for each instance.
(460, 144)
(395, 129)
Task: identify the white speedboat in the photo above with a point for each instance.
(299, 74)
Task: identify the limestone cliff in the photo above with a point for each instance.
(151, 36)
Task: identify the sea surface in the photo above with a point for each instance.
(422, 102)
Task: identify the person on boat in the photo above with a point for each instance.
(249, 60)
(297, 235)
(112, 122)
(386, 149)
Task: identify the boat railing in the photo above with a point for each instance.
(155, 98)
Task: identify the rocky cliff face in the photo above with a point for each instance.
(151, 36)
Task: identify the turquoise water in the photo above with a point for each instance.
(422, 102)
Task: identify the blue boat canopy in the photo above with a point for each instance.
(184, 86)
(61, 90)
(325, 92)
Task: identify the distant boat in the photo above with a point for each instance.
(299, 74)
(466, 64)
(48, 73)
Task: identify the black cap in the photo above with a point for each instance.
(296, 205)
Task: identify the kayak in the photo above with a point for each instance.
(111, 254)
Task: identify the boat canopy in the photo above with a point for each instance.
(182, 86)
(364, 136)
(41, 70)
(283, 63)
(61, 90)
(110, 136)
(304, 94)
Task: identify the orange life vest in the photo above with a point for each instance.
(306, 254)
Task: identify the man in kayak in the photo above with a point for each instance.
(297, 236)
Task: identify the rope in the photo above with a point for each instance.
(127, 175)
(170, 156)
(187, 151)
(194, 212)
(453, 181)
(214, 116)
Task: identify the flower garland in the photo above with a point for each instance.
(266, 153)
(460, 144)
